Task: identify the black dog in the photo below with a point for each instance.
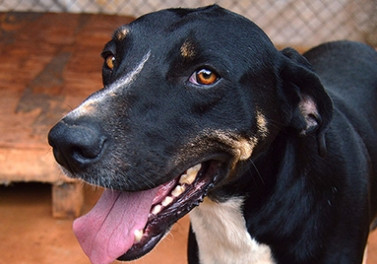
(198, 106)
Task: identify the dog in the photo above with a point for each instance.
(271, 152)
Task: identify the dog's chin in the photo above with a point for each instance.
(174, 200)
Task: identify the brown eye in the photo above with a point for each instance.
(204, 77)
(110, 61)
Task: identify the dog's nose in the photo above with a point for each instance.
(76, 144)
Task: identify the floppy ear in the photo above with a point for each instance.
(309, 106)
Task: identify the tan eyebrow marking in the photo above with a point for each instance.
(187, 49)
(122, 33)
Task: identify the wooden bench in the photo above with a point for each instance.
(49, 63)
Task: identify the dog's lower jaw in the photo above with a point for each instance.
(183, 194)
(222, 236)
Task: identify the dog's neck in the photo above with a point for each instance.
(222, 236)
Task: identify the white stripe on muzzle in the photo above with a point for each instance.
(88, 106)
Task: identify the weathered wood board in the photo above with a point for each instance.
(49, 63)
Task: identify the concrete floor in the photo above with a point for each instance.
(29, 235)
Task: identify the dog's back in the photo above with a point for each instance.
(349, 74)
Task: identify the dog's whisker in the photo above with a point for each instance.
(274, 124)
(250, 161)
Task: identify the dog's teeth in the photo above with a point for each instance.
(156, 209)
(184, 179)
(178, 190)
(190, 176)
(138, 235)
(195, 169)
(168, 200)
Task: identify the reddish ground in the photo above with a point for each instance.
(29, 235)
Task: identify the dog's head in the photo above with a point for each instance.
(189, 97)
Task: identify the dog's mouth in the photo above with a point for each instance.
(127, 225)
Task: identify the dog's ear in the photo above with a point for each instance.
(307, 105)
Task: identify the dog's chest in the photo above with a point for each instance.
(222, 237)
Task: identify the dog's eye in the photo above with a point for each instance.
(110, 61)
(204, 77)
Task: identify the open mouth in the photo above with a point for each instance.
(127, 225)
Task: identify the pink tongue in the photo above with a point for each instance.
(107, 231)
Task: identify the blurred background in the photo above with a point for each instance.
(287, 22)
(49, 63)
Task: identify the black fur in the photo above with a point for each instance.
(310, 184)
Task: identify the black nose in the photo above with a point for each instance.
(76, 145)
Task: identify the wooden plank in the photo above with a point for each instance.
(29, 165)
(67, 199)
(49, 64)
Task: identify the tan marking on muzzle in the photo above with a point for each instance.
(262, 124)
(239, 147)
(88, 109)
(187, 50)
(242, 147)
(245, 148)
